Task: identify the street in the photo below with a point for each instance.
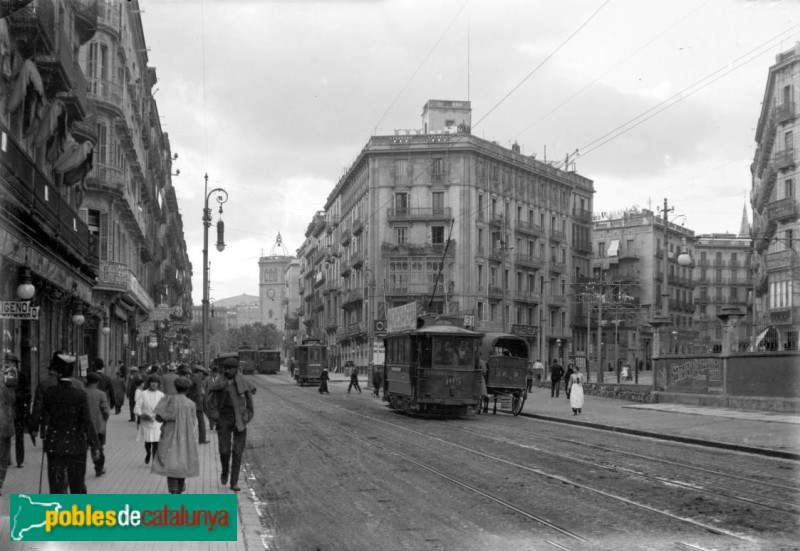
(342, 471)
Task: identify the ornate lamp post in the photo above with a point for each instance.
(221, 198)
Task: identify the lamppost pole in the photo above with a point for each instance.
(222, 197)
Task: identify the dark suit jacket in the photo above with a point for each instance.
(69, 426)
(37, 423)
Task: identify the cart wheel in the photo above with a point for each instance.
(517, 402)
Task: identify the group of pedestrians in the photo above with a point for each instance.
(573, 384)
(168, 403)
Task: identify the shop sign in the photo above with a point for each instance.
(18, 310)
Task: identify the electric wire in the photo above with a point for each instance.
(419, 67)
(615, 66)
(545, 60)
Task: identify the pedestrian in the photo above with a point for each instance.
(576, 391)
(133, 383)
(354, 380)
(484, 393)
(291, 367)
(556, 373)
(118, 384)
(377, 381)
(99, 411)
(177, 457)
(37, 421)
(105, 381)
(213, 377)
(197, 394)
(18, 384)
(168, 380)
(231, 406)
(567, 375)
(70, 431)
(626, 372)
(149, 428)
(323, 381)
(6, 430)
(529, 379)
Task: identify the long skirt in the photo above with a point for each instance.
(576, 396)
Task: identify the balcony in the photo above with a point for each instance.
(352, 296)
(559, 300)
(528, 261)
(528, 228)
(557, 236)
(767, 185)
(785, 111)
(344, 269)
(346, 237)
(782, 209)
(559, 267)
(527, 296)
(85, 19)
(410, 290)
(357, 260)
(107, 94)
(61, 71)
(358, 227)
(497, 254)
(784, 159)
(582, 246)
(582, 215)
(496, 221)
(108, 16)
(421, 214)
(495, 291)
(36, 22)
(40, 197)
(404, 250)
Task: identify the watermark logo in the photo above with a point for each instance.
(123, 517)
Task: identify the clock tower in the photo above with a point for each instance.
(272, 285)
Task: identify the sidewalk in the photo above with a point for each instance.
(766, 433)
(126, 472)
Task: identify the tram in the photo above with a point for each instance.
(432, 369)
(506, 358)
(268, 360)
(310, 357)
(248, 359)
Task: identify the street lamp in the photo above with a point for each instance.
(684, 260)
(221, 198)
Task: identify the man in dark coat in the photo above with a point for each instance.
(197, 394)
(19, 385)
(70, 432)
(104, 383)
(37, 424)
(118, 384)
(556, 373)
(134, 380)
(230, 404)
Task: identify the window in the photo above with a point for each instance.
(401, 169)
(788, 188)
(480, 207)
(400, 235)
(437, 170)
(437, 202)
(601, 249)
(480, 241)
(437, 235)
(733, 294)
(401, 203)
(481, 311)
(102, 144)
(480, 276)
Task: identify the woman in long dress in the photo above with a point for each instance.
(177, 456)
(576, 391)
(149, 428)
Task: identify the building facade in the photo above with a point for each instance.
(85, 192)
(722, 276)
(626, 290)
(273, 285)
(455, 223)
(773, 196)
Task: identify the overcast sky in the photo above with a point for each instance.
(274, 100)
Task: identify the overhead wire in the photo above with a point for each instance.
(615, 66)
(545, 60)
(685, 93)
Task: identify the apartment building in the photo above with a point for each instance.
(86, 193)
(456, 223)
(773, 196)
(628, 277)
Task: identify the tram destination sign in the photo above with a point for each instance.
(524, 330)
(18, 310)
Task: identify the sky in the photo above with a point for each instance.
(275, 99)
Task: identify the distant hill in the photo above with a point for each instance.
(236, 301)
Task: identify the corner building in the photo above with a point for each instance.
(773, 196)
(456, 223)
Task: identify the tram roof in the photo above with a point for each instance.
(445, 330)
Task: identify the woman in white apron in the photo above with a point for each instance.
(149, 428)
(576, 391)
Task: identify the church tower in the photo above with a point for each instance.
(272, 284)
(744, 229)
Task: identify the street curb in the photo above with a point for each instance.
(682, 439)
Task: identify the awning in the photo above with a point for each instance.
(28, 74)
(74, 155)
(760, 337)
(613, 248)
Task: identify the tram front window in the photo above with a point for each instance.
(453, 352)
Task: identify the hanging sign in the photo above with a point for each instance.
(18, 310)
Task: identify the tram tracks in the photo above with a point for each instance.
(382, 442)
(781, 505)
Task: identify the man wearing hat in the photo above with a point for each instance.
(197, 394)
(168, 384)
(70, 432)
(231, 406)
(37, 421)
(17, 382)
